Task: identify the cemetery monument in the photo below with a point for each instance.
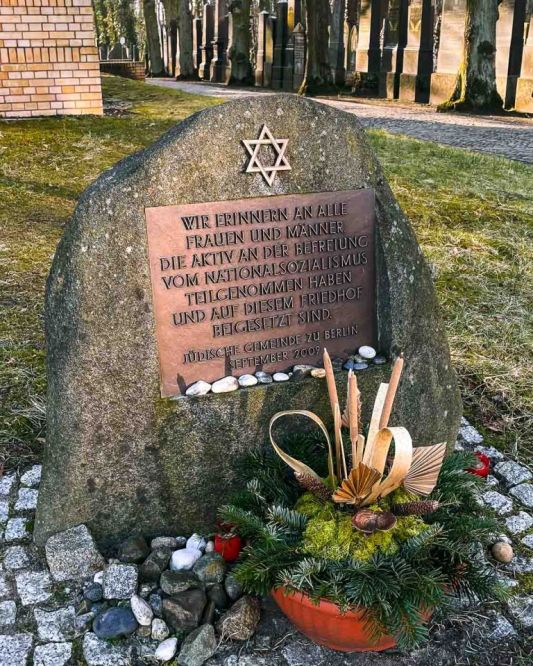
(244, 241)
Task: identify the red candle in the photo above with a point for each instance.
(483, 467)
(228, 545)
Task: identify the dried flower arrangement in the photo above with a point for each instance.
(366, 483)
(374, 535)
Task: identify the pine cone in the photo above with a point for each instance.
(313, 485)
(418, 508)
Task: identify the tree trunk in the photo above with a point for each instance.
(171, 25)
(239, 43)
(153, 45)
(317, 70)
(185, 65)
(475, 86)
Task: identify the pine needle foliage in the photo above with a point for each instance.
(395, 590)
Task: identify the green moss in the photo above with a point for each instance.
(330, 534)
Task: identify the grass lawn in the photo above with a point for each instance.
(473, 215)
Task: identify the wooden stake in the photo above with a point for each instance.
(339, 447)
(391, 392)
(353, 413)
(330, 380)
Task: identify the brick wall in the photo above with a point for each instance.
(48, 58)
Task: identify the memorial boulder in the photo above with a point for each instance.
(248, 238)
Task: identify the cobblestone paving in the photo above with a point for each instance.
(510, 137)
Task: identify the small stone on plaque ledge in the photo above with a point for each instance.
(263, 377)
(198, 388)
(301, 371)
(367, 352)
(225, 385)
(280, 377)
(360, 366)
(319, 373)
(247, 380)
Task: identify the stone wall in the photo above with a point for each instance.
(126, 68)
(48, 58)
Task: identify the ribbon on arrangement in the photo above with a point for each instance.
(403, 456)
(297, 465)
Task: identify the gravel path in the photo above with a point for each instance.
(510, 137)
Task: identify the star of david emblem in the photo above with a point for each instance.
(253, 146)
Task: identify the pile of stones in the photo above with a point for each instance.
(175, 600)
(364, 357)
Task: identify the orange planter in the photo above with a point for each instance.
(326, 625)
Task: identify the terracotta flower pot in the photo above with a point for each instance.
(326, 625)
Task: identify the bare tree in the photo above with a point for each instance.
(185, 64)
(171, 25)
(317, 69)
(475, 86)
(153, 45)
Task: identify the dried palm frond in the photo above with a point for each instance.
(293, 463)
(314, 485)
(369, 521)
(357, 486)
(424, 471)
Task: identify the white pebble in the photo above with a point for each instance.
(318, 372)
(166, 650)
(184, 559)
(225, 385)
(367, 352)
(99, 577)
(247, 380)
(142, 610)
(280, 377)
(210, 547)
(160, 631)
(198, 388)
(196, 542)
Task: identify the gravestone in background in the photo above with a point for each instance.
(281, 37)
(298, 72)
(259, 72)
(336, 42)
(393, 47)
(509, 47)
(197, 43)
(450, 50)
(326, 230)
(207, 42)
(418, 52)
(220, 42)
(524, 88)
(368, 58)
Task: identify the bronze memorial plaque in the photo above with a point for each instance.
(260, 284)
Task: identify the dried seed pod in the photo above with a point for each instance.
(369, 521)
(386, 521)
(365, 521)
(314, 485)
(417, 508)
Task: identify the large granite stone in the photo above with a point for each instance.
(118, 457)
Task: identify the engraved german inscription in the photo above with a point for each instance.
(260, 284)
